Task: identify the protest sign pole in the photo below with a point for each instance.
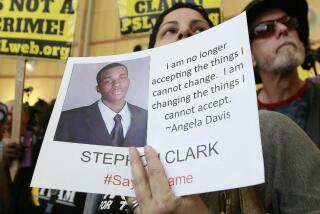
(17, 109)
(87, 30)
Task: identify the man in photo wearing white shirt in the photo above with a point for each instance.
(110, 121)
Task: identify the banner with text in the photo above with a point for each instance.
(139, 16)
(197, 108)
(37, 28)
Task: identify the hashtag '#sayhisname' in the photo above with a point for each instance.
(108, 179)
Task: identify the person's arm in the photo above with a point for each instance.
(11, 152)
(6, 197)
(292, 167)
(152, 190)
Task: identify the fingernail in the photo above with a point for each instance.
(147, 149)
(131, 151)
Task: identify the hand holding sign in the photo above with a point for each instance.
(152, 191)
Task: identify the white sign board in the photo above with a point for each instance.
(202, 118)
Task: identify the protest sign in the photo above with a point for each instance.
(202, 118)
(139, 16)
(37, 28)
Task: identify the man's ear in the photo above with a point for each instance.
(257, 77)
(254, 62)
(97, 88)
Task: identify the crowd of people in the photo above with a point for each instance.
(278, 39)
(16, 194)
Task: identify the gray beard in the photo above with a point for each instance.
(284, 63)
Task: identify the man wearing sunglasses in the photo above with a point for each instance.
(279, 37)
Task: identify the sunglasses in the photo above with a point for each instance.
(267, 28)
